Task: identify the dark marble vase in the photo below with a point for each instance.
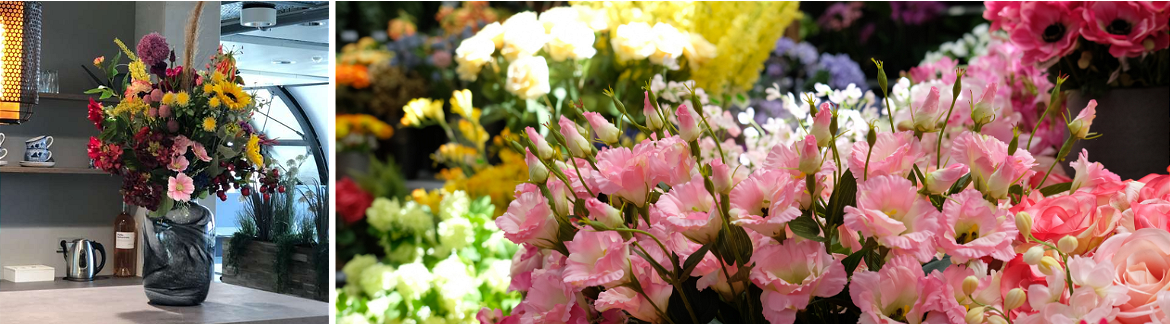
(179, 256)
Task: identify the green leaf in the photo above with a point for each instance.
(1016, 193)
(937, 265)
(1056, 189)
(805, 226)
(93, 91)
(854, 259)
(844, 195)
(912, 178)
(694, 260)
(661, 270)
(960, 184)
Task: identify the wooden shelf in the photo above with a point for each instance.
(14, 167)
(72, 97)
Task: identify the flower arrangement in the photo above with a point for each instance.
(177, 134)
(1101, 44)
(361, 132)
(895, 228)
(442, 263)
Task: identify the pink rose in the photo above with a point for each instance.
(791, 274)
(1076, 215)
(1153, 213)
(1141, 262)
(529, 220)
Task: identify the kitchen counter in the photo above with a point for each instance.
(113, 303)
(60, 283)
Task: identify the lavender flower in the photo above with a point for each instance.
(842, 71)
(153, 49)
(915, 13)
(805, 52)
(783, 45)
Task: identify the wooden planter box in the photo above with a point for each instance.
(256, 270)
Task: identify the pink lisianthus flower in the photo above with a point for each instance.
(1047, 30)
(890, 295)
(1077, 215)
(940, 181)
(820, 125)
(670, 161)
(717, 280)
(1141, 262)
(992, 170)
(893, 154)
(972, 228)
(797, 160)
(688, 208)
(791, 274)
(890, 209)
(604, 130)
(577, 169)
(604, 213)
(1094, 301)
(529, 220)
(526, 259)
(578, 145)
(178, 164)
(1091, 175)
(180, 187)
(624, 173)
(1123, 26)
(597, 258)
(625, 298)
(927, 115)
(768, 200)
(551, 301)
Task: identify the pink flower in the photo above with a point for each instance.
(604, 213)
(1047, 29)
(992, 170)
(537, 172)
(1122, 25)
(768, 200)
(551, 301)
(688, 127)
(1141, 262)
(178, 164)
(1090, 176)
(723, 177)
(543, 150)
(622, 173)
(653, 120)
(526, 259)
(893, 154)
(1002, 14)
(940, 181)
(625, 298)
(1079, 127)
(670, 160)
(1017, 274)
(578, 145)
(791, 274)
(690, 209)
(1157, 187)
(1154, 213)
(926, 117)
(180, 187)
(889, 295)
(986, 292)
(821, 123)
(596, 258)
(605, 130)
(1076, 215)
(529, 220)
(890, 209)
(972, 228)
(717, 280)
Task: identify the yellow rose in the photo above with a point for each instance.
(493, 32)
(528, 78)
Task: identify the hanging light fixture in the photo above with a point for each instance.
(20, 59)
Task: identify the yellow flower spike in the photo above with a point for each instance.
(209, 124)
(461, 104)
(138, 70)
(420, 111)
(127, 51)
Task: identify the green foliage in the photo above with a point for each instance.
(384, 179)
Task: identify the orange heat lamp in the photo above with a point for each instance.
(20, 59)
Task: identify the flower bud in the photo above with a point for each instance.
(1024, 223)
(881, 77)
(1079, 127)
(1067, 245)
(810, 155)
(926, 116)
(975, 316)
(604, 213)
(605, 130)
(1015, 298)
(871, 136)
(688, 126)
(1034, 255)
(721, 176)
(578, 146)
(958, 87)
(543, 150)
(653, 120)
(970, 284)
(996, 319)
(820, 127)
(1087, 59)
(1049, 266)
(940, 181)
(537, 172)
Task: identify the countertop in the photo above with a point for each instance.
(123, 301)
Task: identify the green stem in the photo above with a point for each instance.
(941, 131)
(888, 113)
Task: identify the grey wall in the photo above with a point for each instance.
(37, 210)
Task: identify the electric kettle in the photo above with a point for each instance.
(79, 259)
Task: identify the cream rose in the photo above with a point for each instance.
(472, 55)
(523, 36)
(528, 77)
(1142, 263)
(699, 50)
(633, 41)
(668, 45)
(556, 16)
(494, 32)
(570, 40)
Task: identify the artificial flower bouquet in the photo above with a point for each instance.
(1101, 44)
(177, 134)
(895, 228)
(444, 260)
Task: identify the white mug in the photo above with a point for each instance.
(3, 152)
(2, 137)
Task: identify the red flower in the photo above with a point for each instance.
(1017, 274)
(107, 157)
(95, 113)
(352, 201)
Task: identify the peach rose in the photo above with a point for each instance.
(1077, 215)
(1142, 263)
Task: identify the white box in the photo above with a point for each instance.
(28, 273)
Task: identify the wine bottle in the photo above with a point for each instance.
(125, 241)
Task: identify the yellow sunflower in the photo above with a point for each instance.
(232, 96)
(252, 151)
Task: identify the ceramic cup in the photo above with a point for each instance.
(2, 137)
(41, 142)
(38, 155)
(3, 153)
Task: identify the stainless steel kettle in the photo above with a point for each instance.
(79, 259)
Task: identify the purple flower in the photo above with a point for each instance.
(783, 45)
(805, 52)
(153, 49)
(840, 15)
(915, 13)
(842, 71)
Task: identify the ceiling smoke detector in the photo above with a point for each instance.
(258, 14)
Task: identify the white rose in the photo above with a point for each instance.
(633, 41)
(528, 77)
(472, 55)
(668, 44)
(556, 16)
(523, 36)
(596, 19)
(493, 32)
(570, 40)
